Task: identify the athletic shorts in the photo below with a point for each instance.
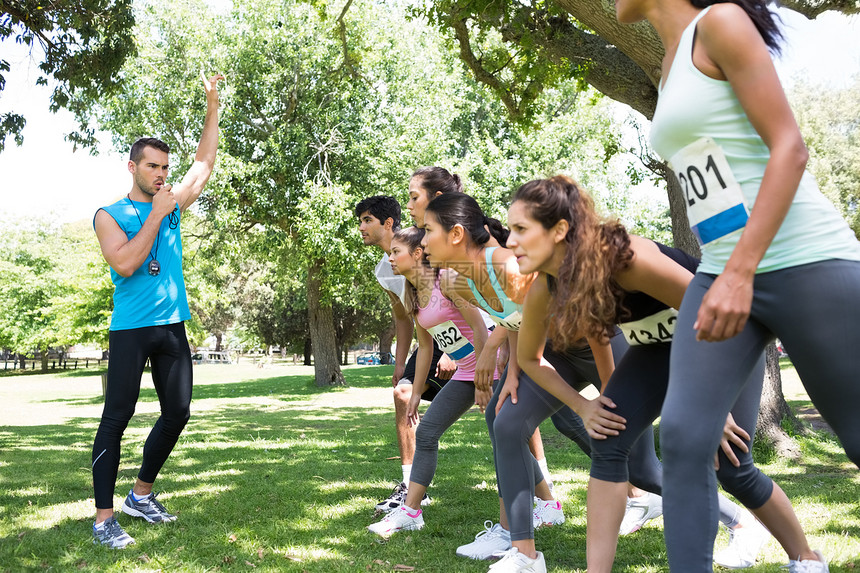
(434, 385)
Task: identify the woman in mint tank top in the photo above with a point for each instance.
(777, 259)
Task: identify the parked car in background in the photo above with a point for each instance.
(781, 349)
(369, 359)
(211, 357)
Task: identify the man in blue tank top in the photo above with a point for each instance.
(140, 239)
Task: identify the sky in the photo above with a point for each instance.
(45, 179)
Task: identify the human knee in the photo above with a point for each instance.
(680, 442)
(426, 437)
(402, 393)
(608, 461)
(508, 427)
(751, 487)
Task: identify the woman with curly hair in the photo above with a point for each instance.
(593, 276)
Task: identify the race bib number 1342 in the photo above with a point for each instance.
(714, 200)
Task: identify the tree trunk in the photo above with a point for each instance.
(774, 410)
(307, 352)
(218, 336)
(321, 318)
(45, 360)
(386, 339)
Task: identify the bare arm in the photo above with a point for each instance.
(188, 190)
(735, 48)
(653, 273)
(422, 370)
(403, 326)
(126, 255)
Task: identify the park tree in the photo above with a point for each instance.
(518, 49)
(53, 285)
(80, 47)
(829, 119)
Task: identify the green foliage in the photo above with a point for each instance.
(830, 122)
(54, 285)
(81, 45)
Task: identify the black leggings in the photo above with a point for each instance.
(167, 349)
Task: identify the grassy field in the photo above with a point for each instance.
(273, 474)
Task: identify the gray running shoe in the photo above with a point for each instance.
(148, 508)
(111, 534)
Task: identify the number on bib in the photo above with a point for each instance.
(714, 200)
(658, 327)
(450, 340)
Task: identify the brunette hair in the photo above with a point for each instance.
(587, 300)
(382, 207)
(138, 146)
(460, 209)
(435, 179)
(766, 22)
(411, 237)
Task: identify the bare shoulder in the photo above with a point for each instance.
(725, 25)
(514, 283)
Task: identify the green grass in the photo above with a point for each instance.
(274, 474)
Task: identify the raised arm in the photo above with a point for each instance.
(188, 190)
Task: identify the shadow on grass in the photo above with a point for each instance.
(288, 388)
(278, 489)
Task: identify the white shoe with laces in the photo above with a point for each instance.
(512, 561)
(639, 511)
(745, 543)
(398, 520)
(809, 565)
(547, 512)
(494, 539)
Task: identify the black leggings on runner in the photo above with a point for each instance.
(517, 471)
(167, 349)
(813, 310)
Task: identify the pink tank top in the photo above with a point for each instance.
(451, 332)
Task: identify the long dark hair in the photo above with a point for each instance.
(435, 179)
(766, 22)
(460, 209)
(411, 238)
(586, 300)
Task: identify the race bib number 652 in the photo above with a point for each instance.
(714, 200)
(450, 340)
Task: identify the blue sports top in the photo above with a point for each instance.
(700, 127)
(142, 299)
(511, 315)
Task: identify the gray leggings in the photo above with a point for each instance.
(517, 471)
(454, 400)
(813, 309)
(638, 387)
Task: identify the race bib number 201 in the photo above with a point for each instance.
(714, 200)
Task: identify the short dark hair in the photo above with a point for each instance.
(382, 207)
(144, 142)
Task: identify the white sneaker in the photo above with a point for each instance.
(745, 543)
(397, 520)
(640, 510)
(494, 539)
(809, 565)
(512, 561)
(547, 512)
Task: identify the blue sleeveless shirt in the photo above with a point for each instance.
(141, 299)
